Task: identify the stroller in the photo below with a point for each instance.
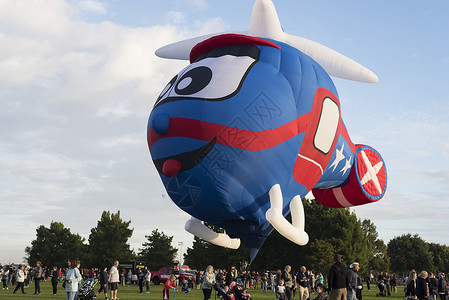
(222, 293)
(382, 290)
(86, 292)
(238, 291)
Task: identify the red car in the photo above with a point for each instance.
(164, 273)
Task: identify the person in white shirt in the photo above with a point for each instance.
(20, 278)
(114, 279)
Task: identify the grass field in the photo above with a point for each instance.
(130, 293)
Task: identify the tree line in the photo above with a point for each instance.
(330, 231)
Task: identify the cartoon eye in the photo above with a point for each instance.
(210, 79)
(167, 88)
(193, 81)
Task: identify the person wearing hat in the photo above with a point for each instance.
(352, 281)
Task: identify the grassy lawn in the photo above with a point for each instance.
(127, 293)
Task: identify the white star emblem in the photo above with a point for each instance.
(347, 166)
(339, 156)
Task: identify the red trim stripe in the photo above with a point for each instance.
(229, 136)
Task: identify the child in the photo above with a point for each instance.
(170, 283)
(280, 290)
(185, 286)
(320, 292)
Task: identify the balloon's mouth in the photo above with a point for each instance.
(175, 164)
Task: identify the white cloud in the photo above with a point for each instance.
(75, 101)
(92, 6)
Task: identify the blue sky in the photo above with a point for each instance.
(78, 79)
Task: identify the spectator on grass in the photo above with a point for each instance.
(303, 283)
(421, 286)
(208, 282)
(352, 281)
(433, 286)
(410, 284)
(114, 279)
(337, 280)
(72, 280)
(5, 274)
(103, 283)
(442, 287)
(288, 281)
(20, 278)
(54, 280)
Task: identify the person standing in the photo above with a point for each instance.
(303, 283)
(442, 286)
(288, 281)
(20, 278)
(319, 280)
(263, 281)
(352, 281)
(208, 282)
(114, 280)
(37, 278)
(72, 280)
(410, 284)
(103, 283)
(337, 280)
(433, 287)
(5, 274)
(147, 280)
(229, 278)
(141, 278)
(421, 286)
(280, 290)
(54, 280)
(129, 276)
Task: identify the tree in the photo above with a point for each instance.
(204, 253)
(440, 256)
(409, 252)
(109, 240)
(158, 252)
(54, 245)
(378, 259)
(323, 256)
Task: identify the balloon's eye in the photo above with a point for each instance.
(193, 81)
(210, 79)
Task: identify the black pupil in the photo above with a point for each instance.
(199, 79)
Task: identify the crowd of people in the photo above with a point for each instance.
(71, 277)
(425, 286)
(340, 283)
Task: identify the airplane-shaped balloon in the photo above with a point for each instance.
(252, 125)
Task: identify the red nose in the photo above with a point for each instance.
(171, 167)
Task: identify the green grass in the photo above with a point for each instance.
(129, 293)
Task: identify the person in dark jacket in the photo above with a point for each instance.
(352, 281)
(442, 286)
(337, 279)
(303, 283)
(103, 283)
(433, 286)
(410, 284)
(55, 279)
(37, 278)
(421, 286)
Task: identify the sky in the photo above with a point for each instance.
(78, 79)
